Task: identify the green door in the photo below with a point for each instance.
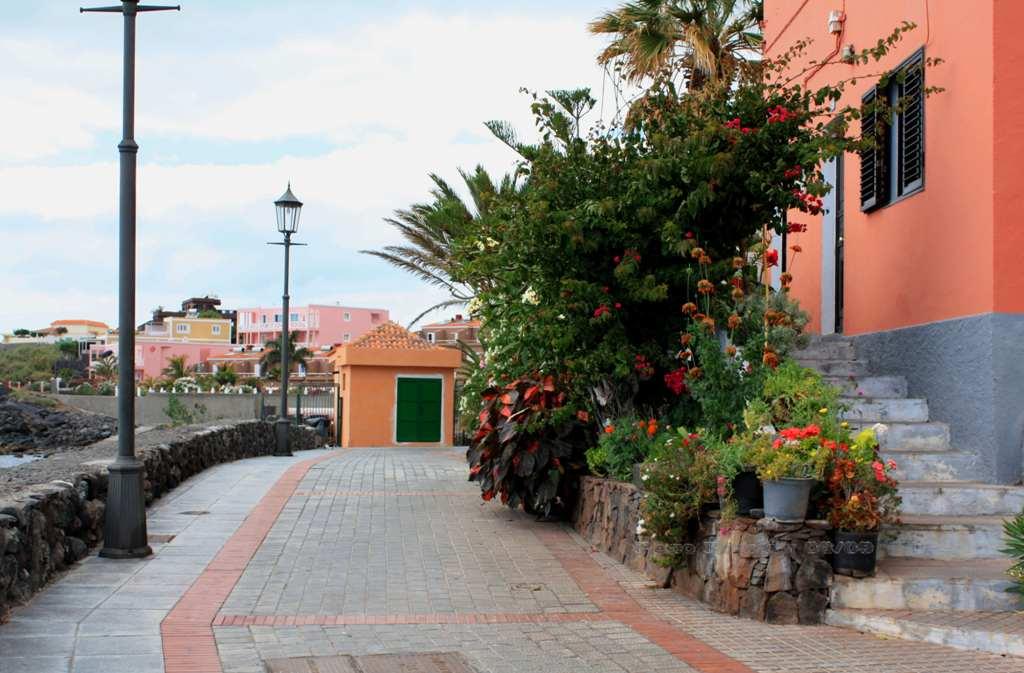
(419, 410)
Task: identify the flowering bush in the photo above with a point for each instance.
(623, 443)
(528, 445)
(677, 482)
(796, 453)
(862, 494)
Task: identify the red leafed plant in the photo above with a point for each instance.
(529, 447)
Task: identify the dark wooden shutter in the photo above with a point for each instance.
(874, 182)
(911, 121)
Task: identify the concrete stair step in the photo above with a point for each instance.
(829, 367)
(960, 498)
(937, 465)
(836, 348)
(944, 537)
(878, 387)
(930, 436)
(995, 632)
(886, 410)
(929, 584)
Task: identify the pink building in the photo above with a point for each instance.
(152, 355)
(315, 325)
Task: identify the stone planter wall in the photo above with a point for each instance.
(48, 527)
(754, 568)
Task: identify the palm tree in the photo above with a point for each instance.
(105, 369)
(271, 359)
(177, 368)
(431, 230)
(226, 375)
(707, 40)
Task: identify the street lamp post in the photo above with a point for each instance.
(288, 210)
(124, 532)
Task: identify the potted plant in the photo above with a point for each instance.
(863, 497)
(788, 467)
(739, 488)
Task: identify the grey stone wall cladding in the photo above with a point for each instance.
(46, 528)
(149, 409)
(757, 569)
(971, 371)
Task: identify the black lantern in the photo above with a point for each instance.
(288, 210)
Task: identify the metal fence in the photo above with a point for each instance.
(308, 402)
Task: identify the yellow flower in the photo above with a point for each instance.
(844, 425)
(823, 410)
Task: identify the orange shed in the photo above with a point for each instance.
(398, 389)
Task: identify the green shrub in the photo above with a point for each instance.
(1013, 535)
(106, 388)
(84, 389)
(625, 442)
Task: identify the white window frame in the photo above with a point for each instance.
(182, 328)
(215, 329)
(346, 316)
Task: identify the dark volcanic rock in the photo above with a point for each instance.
(29, 427)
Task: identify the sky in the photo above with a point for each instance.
(354, 102)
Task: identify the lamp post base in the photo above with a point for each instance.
(282, 430)
(124, 526)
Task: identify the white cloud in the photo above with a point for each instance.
(393, 101)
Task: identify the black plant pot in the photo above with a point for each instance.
(748, 492)
(855, 554)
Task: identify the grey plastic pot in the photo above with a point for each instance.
(786, 499)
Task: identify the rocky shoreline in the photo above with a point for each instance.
(33, 428)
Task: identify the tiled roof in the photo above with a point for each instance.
(390, 336)
(89, 323)
(452, 323)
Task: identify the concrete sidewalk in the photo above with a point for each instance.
(390, 551)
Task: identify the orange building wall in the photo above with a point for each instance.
(933, 255)
(1008, 84)
(368, 416)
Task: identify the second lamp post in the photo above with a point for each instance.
(288, 210)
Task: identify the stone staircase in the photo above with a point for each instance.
(944, 556)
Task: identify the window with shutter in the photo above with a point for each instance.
(873, 159)
(911, 128)
(893, 115)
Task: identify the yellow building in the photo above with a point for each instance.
(193, 329)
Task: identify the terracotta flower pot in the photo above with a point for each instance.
(786, 499)
(855, 554)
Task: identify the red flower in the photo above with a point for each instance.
(601, 310)
(583, 416)
(616, 259)
(606, 289)
(772, 257)
(676, 381)
(689, 235)
(794, 172)
(796, 228)
(733, 123)
(618, 305)
(488, 495)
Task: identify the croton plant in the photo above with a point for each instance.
(529, 447)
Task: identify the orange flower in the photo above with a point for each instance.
(705, 286)
(609, 429)
(770, 359)
(686, 339)
(694, 373)
(689, 308)
(738, 262)
(704, 259)
(730, 350)
(786, 278)
(737, 293)
(734, 321)
(796, 248)
(697, 253)
(583, 416)
(708, 323)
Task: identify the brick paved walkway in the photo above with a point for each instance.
(391, 551)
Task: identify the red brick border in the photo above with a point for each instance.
(612, 599)
(187, 631)
(436, 618)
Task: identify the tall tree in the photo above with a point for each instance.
(707, 40)
(68, 348)
(431, 230)
(296, 355)
(177, 368)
